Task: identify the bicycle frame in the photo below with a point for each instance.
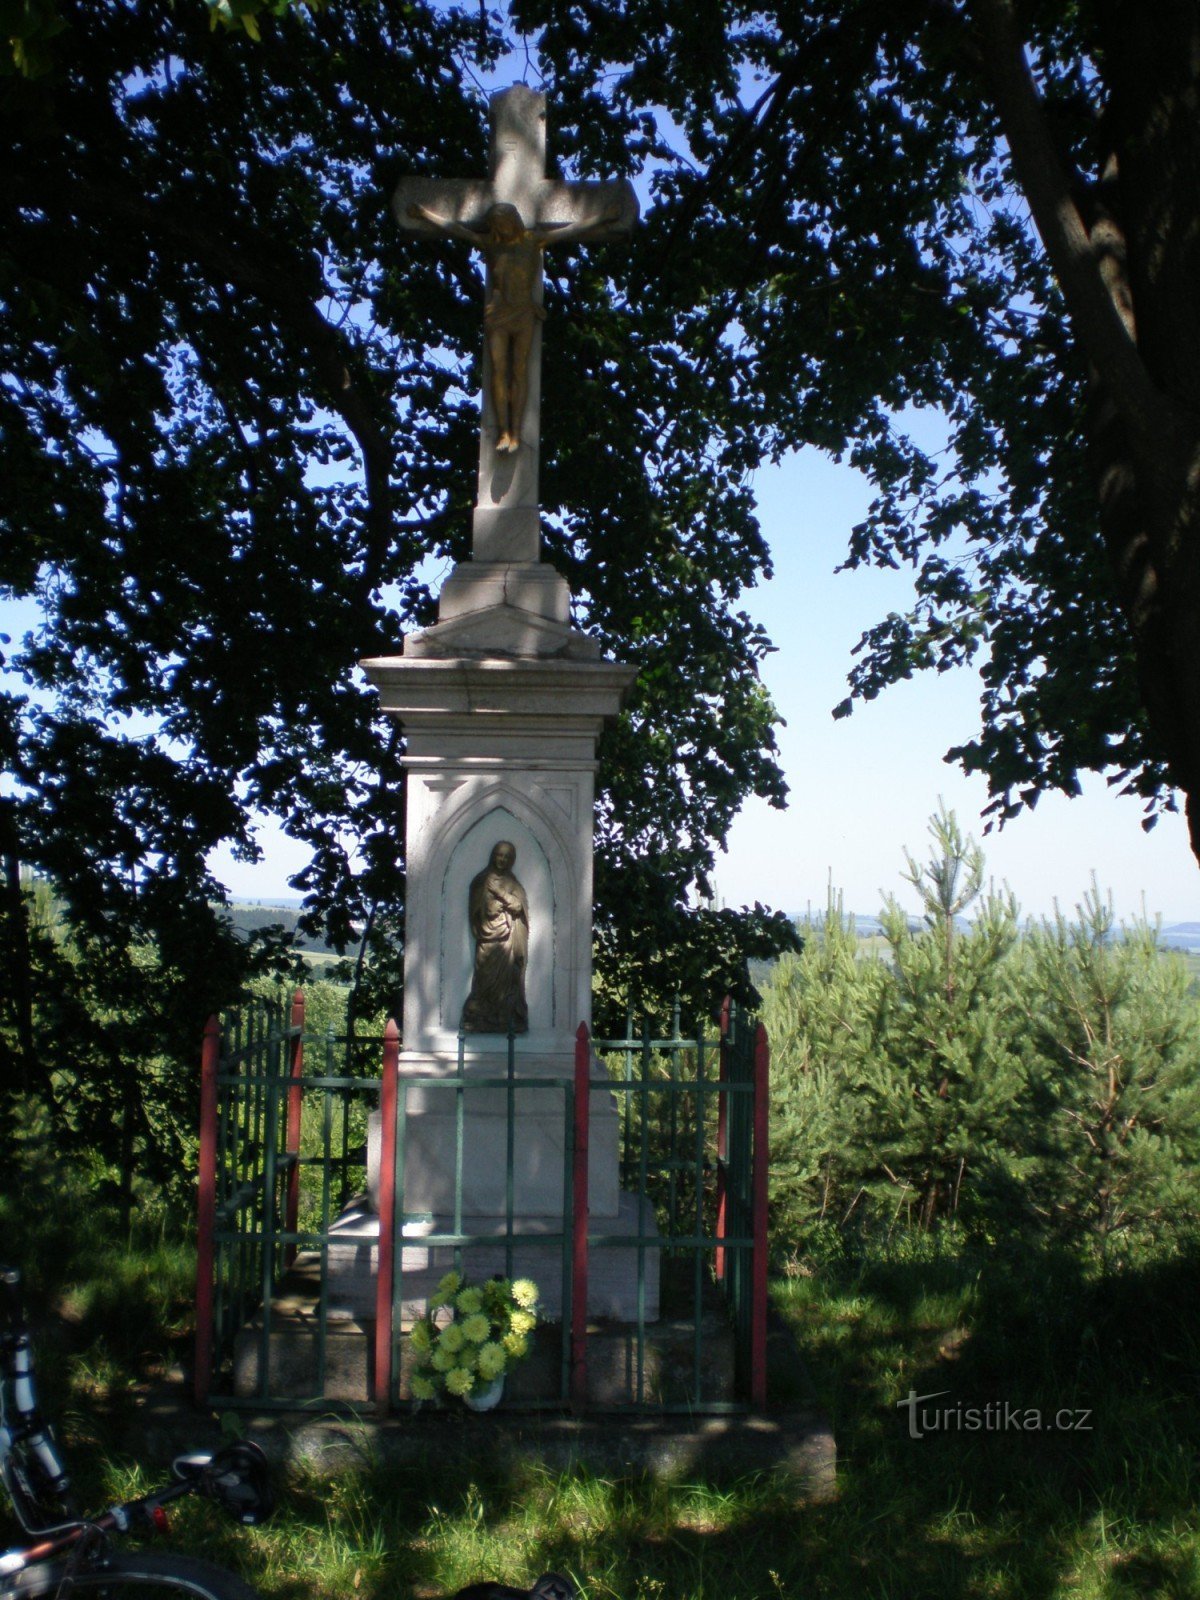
(32, 1471)
(27, 1448)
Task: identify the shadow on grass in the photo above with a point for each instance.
(1101, 1510)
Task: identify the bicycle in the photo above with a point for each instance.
(72, 1554)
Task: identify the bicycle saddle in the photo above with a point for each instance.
(550, 1586)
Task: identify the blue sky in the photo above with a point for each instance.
(863, 789)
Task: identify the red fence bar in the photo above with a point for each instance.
(722, 1143)
(758, 1202)
(579, 1252)
(291, 1211)
(206, 1219)
(387, 1218)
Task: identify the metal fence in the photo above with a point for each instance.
(284, 1120)
(694, 1144)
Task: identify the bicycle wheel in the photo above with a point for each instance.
(128, 1577)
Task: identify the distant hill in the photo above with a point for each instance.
(1177, 936)
(247, 916)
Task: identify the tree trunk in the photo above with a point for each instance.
(1130, 276)
(19, 962)
(1150, 509)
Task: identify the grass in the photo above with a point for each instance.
(1105, 1513)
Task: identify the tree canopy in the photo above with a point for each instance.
(239, 420)
(951, 240)
(956, 242)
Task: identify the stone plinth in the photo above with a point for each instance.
(498, 749)
(541, 1177)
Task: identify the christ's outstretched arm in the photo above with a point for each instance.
(560, 232)
(447, 225)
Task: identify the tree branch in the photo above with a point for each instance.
(278, 278)
(1098, 322)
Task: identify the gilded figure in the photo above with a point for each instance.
(498, 909)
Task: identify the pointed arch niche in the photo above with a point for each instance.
(472, 818)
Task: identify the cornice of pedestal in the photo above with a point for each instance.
(420, 687)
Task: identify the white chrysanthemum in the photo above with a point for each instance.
(517, 1345)
(525, 1293)
(523, 1322)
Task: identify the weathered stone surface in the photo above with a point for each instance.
(530, 587)
(791, 1438)
(499, 750)
(794, 1441)
(540, 1143)
(292, 1354)
(537, 1253)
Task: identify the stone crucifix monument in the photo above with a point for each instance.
(502, 702)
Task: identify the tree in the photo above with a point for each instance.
(976, 276)
(899, 1086)
(1113, 1036)
(238, 425)
(819, 1010)
(943, 1082)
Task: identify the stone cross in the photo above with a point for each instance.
(512, 217)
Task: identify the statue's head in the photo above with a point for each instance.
(504, 222)
(503, 856)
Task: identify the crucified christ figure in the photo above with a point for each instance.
(513, 254)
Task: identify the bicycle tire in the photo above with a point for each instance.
(128, 1577)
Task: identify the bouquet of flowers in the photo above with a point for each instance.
(471, 1335)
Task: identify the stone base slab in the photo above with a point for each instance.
(293, 1345)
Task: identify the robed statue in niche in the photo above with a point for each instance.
(498, 908)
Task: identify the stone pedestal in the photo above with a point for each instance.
(540, 1146)
(498, 748)
(537, 1253)
(502, 703)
